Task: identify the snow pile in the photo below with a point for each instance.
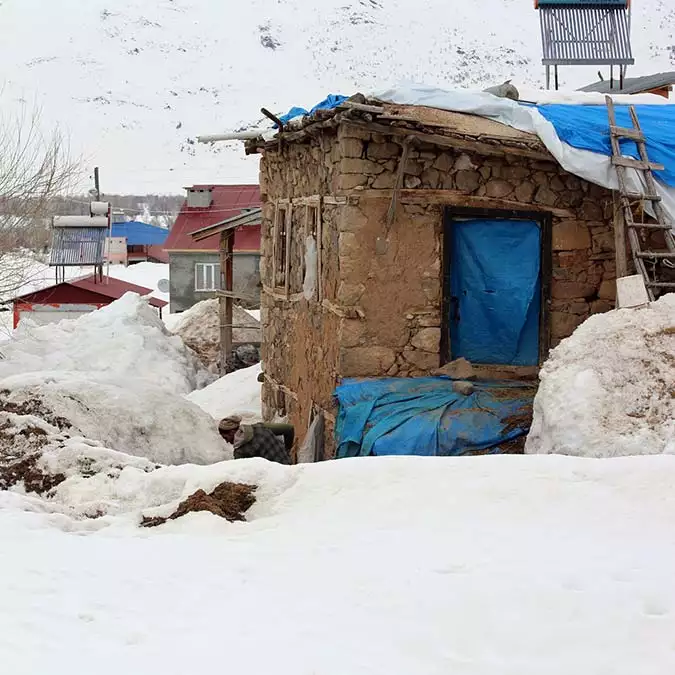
(115, 376)
(237, 393)
(199, 328)
(609, 389)
(422, 565)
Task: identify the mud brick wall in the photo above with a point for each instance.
(382, 309)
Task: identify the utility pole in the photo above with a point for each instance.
(97, 185)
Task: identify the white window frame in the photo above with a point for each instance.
(215, 277)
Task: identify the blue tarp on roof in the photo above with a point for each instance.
(424, 416)
(586, 127)
(330, 102)
(140, 234)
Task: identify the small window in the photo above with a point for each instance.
(280, 255)
(207, 276)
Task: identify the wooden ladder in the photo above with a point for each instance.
(638, 232)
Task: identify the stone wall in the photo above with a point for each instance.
(381, 313)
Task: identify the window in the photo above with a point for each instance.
(281, 242)
(207, 276)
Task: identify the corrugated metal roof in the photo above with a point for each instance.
(140, 234)
(228, 200)
(585, 36)
(247, 218)
(633, 85)
(583, 3)
(78, 246)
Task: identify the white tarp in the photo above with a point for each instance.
(590, 166)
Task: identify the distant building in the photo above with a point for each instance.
(133, 241)
(660, 84)
(195, 265)
(74, 298)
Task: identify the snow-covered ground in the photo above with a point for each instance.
(474, 566)
(145, 78)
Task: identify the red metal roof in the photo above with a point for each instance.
(227, 201)
(110, 288)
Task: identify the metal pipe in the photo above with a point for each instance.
(232, 136)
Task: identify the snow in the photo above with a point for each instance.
(607, 390)
(117, 376)
(476, 566)
(237, 393)
(143, 78)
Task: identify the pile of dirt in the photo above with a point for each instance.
(228, 500)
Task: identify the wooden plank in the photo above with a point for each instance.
(649, 226)
(319, 253)
(636, 196)
(661, 284)
(656, 254)
(456, 198)
(275, 238)
(289, 227)
(469, 145)
(624, 132)
(619, 239)
(638, 164)
(333, 200)
(236, 295)
(361, 107)
(312, 200)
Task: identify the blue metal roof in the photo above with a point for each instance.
(140, 234)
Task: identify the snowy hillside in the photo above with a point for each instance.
(133, 80)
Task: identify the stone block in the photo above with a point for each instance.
(424, 361)
(570, 235)
(591, 210)
(350, 294)
(467, 181)
(525, 192)
(556, 184)
(349, 244)
(601, 306)
(498, 188)
(564, 290)
(563, 324)
(463, 387)
(378, 151)
(464, 163)
(545, 196)
(360, 166)
(428, 340)
(351, 181)
(459, 369)
(385, 181)
(351, 147)
(430, 178)
(366, 361)
(485, 172)
(515, 174)
(352, 332)
(414, 168)
(412, 182)
(444, 162)
(608, 290)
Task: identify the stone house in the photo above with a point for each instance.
(410, 206)
(194, 265)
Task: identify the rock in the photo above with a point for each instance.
(422, 360)
(525, 192)
(360, 166)
(464, 163)
(351, 147)
(412, 182)
(350, 294)
(385, 181)
(545, 196)
(459, 369)
(383, 151)
(351, 181)
(570, 235)
(430, 178)
(352, 332)
(498, 188)
(366, 361)
(601, 306)
(444, 162)
(467, 181)
(515, 174)
(485, 172)
(414, 168)
(428, 340)
(563, 325)
(562, 290)
(556, 184)
(463, 387)
(608, 290)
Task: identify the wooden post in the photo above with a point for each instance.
(224, 301)
(619, 238)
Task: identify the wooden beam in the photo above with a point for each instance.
(289, 226)
(619, 239)
(237, 296)
(425, 197)
(466, 144)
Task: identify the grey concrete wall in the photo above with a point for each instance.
(246, 271)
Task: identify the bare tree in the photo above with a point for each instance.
(34, 170)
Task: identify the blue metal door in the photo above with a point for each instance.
(495, 293)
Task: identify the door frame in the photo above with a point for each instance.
(545, 221)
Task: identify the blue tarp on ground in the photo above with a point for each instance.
(330, 102)
(586, 127)
(424, 416)
(140, 234)
(496, 291)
